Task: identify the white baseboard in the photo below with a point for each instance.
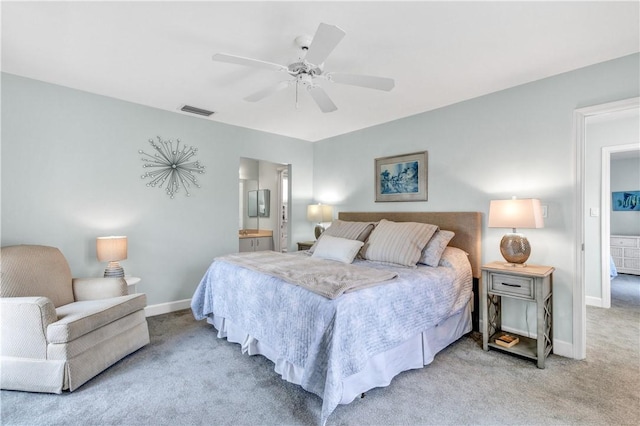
(165, 308)
(562, 348)
(593, 301)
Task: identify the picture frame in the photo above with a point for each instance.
(402, 177)
(625, 201)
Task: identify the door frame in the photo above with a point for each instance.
(579, 132)
(282, 190)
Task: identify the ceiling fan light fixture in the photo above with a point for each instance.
(303, 41)
(316, 49)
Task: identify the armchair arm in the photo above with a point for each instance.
(98, 288)
(23, 324)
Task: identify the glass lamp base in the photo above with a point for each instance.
(319, 230)
(114, 270)
(515, 248)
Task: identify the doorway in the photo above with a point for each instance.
(264, 189)
(283, 208)
(580, 136)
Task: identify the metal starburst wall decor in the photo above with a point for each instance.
(171, 166)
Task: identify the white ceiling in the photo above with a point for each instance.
(439, 53)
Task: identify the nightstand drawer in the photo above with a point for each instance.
(305, 245)
(510, 285)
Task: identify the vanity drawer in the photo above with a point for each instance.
(511, 285)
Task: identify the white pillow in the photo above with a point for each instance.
(346, 229)
(335, 248)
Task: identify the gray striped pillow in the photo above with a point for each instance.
(349, 230)
(435, 247)
(399, 243)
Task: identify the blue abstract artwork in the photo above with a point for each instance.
(399, 178)
(626, 201)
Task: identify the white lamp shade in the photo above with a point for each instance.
(111, 249)
(518, 213)
(319, 213)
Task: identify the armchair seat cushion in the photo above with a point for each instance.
(79, 318)
(96, 338)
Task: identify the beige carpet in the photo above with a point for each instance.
(189, 377)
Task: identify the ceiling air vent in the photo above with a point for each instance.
(194, 110)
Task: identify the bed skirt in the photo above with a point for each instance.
(413, 353)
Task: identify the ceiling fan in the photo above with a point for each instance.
(309, 68)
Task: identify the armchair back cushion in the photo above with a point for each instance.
(32, 270)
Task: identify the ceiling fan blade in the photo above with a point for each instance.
(368, 81)
(267, 92)
(239, 60)
(322, 99)
(324, 41)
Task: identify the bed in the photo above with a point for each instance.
(613, 271)
(340, 343)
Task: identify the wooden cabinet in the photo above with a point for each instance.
(532, 283)
(625, 251)
(256, 243)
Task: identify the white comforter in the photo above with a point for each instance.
(333, 339)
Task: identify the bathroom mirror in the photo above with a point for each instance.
(258, 203)
(263, 203)
(252, 203)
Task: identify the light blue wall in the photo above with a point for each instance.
(71, 172)
(514, 142)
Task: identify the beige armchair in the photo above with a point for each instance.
(58, 332)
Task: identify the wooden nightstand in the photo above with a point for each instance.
(531, 283)
(305, 245)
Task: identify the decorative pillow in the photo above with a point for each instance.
(459, 260)
(454, 257)
(334, 248)
(349, 230)
(399, 243)
(435, 247)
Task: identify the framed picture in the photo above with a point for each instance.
(402, 177)
(627, 201)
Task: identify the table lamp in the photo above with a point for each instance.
(112, 250)
(319, 213)
(514, 213)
